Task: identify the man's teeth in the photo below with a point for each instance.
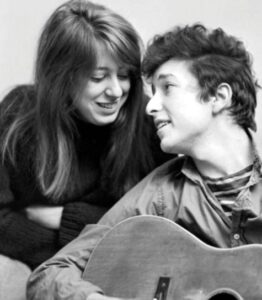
(162, 124)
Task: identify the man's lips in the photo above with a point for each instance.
(161, 123)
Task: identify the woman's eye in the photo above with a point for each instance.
(95, 78)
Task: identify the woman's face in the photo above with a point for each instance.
(105, 92)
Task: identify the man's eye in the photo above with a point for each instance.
(168, 86)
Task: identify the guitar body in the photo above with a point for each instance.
(149, 257)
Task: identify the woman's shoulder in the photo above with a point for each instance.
(15, 105)
(19, 100)
(18, 95)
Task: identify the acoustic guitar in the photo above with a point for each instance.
(152, 258)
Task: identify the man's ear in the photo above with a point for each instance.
(223, 97)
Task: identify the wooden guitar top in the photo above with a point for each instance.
(150, 257)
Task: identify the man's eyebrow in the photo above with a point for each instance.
(165, 76)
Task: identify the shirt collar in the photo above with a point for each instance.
(190, 170)
(257, 163)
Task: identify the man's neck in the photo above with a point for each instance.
(224, 154)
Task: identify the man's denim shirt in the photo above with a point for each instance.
(175, 191)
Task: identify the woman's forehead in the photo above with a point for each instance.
(105, 58)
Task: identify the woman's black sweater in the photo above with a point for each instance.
(29, 242)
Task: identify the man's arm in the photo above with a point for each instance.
(60, 277)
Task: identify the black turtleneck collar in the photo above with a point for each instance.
(90, 136)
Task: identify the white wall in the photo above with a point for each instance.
(21, 23)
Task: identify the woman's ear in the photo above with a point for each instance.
(223, 98)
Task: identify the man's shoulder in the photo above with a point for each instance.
(171, 167)
(147, 190)
(165, 172)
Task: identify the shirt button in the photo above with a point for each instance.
(236, 236)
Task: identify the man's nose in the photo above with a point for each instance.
(154, 104)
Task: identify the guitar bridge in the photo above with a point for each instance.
(162, 288)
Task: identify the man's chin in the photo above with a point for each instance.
(166, 148)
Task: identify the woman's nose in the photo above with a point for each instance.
(153, 105)
(114, 89)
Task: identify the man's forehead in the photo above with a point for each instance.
(176, 71)
(170, 69)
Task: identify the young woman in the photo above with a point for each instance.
(77, 139)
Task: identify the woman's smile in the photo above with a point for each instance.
(105, 92)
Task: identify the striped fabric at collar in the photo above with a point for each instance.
(226, 189)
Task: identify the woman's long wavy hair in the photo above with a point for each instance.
(66, 56)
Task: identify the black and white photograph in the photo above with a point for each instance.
(131, 150)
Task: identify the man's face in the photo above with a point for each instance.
(181, 117)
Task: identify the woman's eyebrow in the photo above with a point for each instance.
(101, 68)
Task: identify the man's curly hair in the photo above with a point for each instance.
(214, 57)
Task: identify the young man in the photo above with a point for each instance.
(203, 105)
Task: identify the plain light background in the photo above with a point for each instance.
(21, 23)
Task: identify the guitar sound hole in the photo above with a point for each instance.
(224, 294)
